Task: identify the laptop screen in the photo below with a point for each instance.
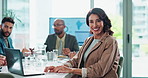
(14, 61)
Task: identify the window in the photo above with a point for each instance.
(19, 10)
(114, 11)
(115, 15)
(74, 26)
(139, 39)
(35, 18)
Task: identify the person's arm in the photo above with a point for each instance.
(76, 71)
(82, 72)
(64, 69)
(3, 60)
(1, 49)
(46, 43)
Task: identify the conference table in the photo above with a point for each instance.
(41, 68)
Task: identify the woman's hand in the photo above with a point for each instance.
(49, 69)
(58, 69)
(62, 69)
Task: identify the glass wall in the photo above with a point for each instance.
(139, 38)
(32, 23)
(41, 11)
(19, 11)
(114, 11)
(32, 17)
(70, 8)
(0, 10)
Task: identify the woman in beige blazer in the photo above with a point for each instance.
(99, 55)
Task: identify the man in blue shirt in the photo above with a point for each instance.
(6, 27)
(5, 31)
(5, 41)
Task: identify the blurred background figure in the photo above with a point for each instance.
(60, 40)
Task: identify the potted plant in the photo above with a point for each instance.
(12, 14)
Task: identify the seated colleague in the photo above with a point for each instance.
(99, 55)
(5, 31)
(68, 41)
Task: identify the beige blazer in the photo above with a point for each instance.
(102, 61)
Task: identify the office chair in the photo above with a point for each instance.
(6, 75)
(120, 66)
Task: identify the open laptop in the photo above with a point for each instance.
(15, 65)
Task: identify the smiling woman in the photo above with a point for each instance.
(99, 55)
(96, 25)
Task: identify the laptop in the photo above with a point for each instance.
(15, 64)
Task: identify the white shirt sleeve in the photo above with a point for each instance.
(84, 72)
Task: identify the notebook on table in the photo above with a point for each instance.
(15, 64)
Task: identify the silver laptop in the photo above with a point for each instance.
(15, 65)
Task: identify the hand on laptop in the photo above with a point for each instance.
(49, 69)
(58, 69)
(3, 60)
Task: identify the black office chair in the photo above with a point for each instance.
(6, 75)
(120, 66)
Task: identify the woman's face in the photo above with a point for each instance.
(95, 24)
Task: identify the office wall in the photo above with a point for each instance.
(39, 21)
(0, 9)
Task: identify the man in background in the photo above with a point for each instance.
(6, 27)
(64, 43)
(5, 31)
(5, 42)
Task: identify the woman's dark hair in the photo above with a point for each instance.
(102, 15)
(7, 19)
